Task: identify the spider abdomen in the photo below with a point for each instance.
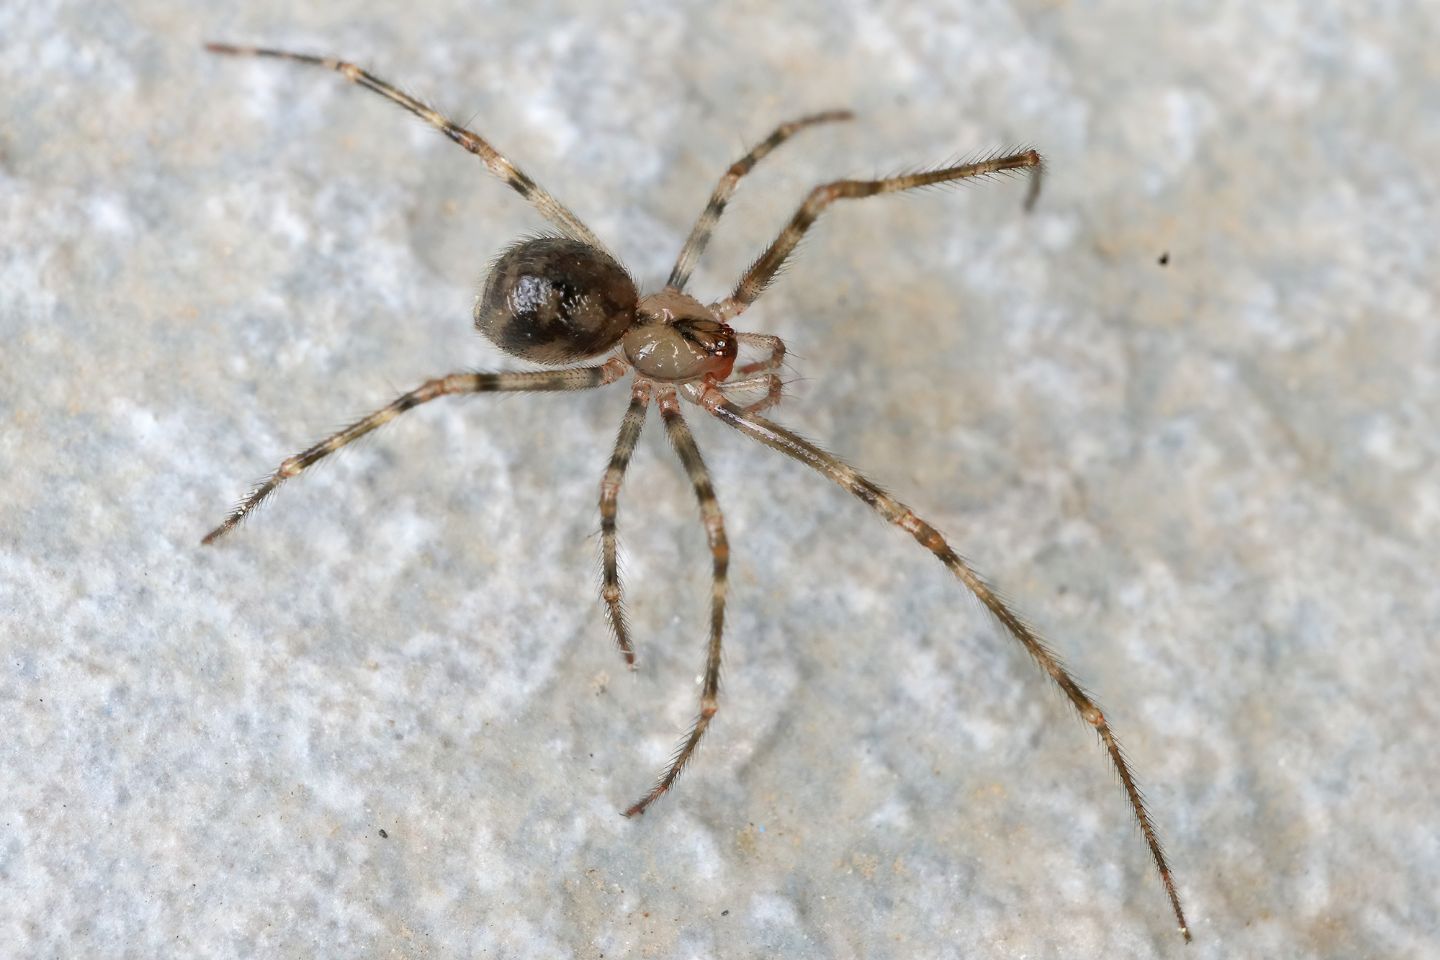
(555, 300)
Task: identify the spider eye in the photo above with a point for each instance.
(554, 300)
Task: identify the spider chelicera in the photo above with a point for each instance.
(560, 299)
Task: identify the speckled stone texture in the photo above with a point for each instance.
(1186, 414)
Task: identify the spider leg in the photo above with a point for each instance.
(630, 428)
(574, 378)
(684, 443)
(552, 209)
(765, 268)
(798, 448)
(700, 233)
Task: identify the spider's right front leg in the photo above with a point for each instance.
(574, 378)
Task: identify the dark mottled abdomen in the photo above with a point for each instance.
(555, 300)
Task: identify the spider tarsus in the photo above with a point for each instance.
(638, 808)
(627, 651)
(226, 525)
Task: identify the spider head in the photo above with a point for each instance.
(555, 300)
(678, 339)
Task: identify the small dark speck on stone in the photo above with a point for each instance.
(1164, 258)
(383, 834)
(724, 913)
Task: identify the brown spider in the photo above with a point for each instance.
(560, 299)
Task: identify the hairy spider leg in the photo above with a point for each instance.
(798, 448)
(573, 378)
(625, 442)
(705, 225)
(684, 443)
(768, 265)
(552, 209)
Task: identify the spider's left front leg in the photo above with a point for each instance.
(684, 443)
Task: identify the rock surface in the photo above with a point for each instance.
(1186, 413)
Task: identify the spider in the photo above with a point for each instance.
(562, 298)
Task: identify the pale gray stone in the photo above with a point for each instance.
(1212, 482)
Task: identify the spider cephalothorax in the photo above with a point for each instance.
(677, 339)
(559, 299)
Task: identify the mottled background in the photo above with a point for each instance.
(1186, 413)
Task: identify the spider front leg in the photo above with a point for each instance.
(609, 505)
(574, 378)
(684, 443)
(798, 448)
(764, 269)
